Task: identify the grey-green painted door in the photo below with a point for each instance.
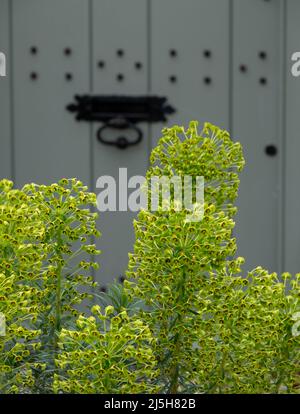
(226, 62)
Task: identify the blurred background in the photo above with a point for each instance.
(223, 61)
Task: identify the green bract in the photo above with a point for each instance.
(106, 355)
(215, 331)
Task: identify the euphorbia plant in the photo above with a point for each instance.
(44, 230)
(187, 320)
(21, 257)
(216, 331)
(68, 226)
(51, 343)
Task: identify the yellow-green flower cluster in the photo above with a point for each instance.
(106, 355)
(67, 228)
(173, 257)
(216, 332)
(244, 340)
(18, 339)
(45, 251)
(210, 154)
(21, 257)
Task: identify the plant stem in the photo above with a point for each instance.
(175, 370)
(58, 295)
(174, 374)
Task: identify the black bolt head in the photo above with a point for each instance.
(207, 53)
(120, 77)
(68, 51)
(207, 80)
(33, 50)
(262, 55)
(263, 81)
(271, 150)
(243, 68)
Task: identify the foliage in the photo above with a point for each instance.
(39, 228)
(187, 319)
(15, 347)
(245, 342)
(106, 355)
(216, 331)
(117, 297)
(20, 258)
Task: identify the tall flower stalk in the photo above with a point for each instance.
(216, 331)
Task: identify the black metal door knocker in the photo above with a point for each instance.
(120, 113)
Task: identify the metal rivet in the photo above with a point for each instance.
(120, 52)
(68, 51)
(101, 64)
(68, 76)
(207, 53)
(33, 75)
(173, 52)
(173, 79)
(207, 80)
(243, 68)
(262, 55)
(263, 81)
(138, 65)
(33, 50)
(120, 77)
(271, 150)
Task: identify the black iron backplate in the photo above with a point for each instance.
(120, 112)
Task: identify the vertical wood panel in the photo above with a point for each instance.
(5, 103)
(49, 143)
(190, 28)
(256, 125)
(292, 178)
(118, 25)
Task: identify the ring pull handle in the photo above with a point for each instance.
(120, 124)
